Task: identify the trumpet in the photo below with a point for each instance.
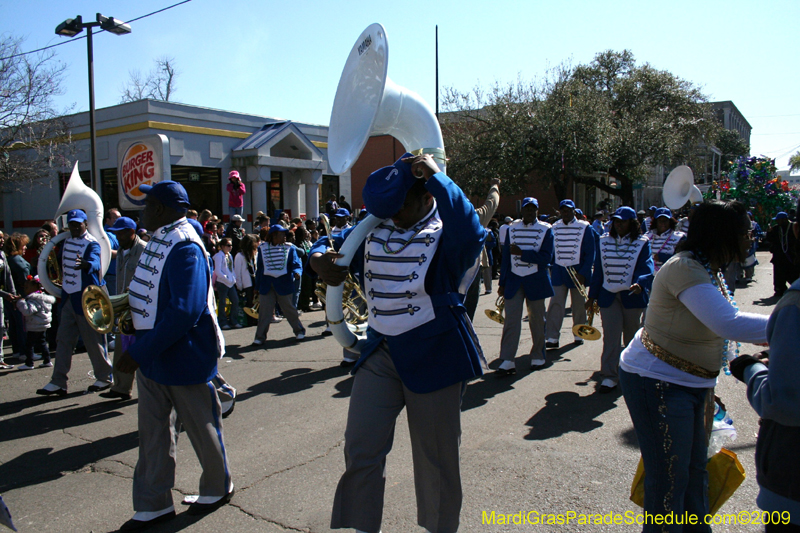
(584, 331)
(252, 312)
(497, 316)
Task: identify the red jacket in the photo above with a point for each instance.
(236, 194)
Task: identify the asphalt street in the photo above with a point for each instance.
(543, 441)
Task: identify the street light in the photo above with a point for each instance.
(71, 28)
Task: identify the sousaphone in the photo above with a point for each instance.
(369, 103)
(679, 188)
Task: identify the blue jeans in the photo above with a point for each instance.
(231, 294)
(235, 210)
(669, 421)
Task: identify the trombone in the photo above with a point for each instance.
(584, 331)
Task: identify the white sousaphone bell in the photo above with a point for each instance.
(679, 188)
(369, 103)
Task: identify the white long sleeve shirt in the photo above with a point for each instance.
(243, 279)
(223, 269)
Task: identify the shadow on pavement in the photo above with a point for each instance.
(179, 523)
(568, 411)
(58, 417)
(772, 300)
(39, 466)
(292, 381)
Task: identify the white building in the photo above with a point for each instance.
(283, 163)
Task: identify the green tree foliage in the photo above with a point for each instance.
(732, 146)
(794, 162)
(34, 137)
(609, 118)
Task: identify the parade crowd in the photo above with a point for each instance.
(662, 283)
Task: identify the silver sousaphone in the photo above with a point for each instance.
(369, 103)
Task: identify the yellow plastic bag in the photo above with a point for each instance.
(725, 474)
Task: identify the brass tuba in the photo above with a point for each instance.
(584, 331)
(76, 196)
(107, 314)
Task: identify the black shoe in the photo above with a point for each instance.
(98, 388)
(57, 392)
(139, 525)
(345, 363)
(114, 395)
(605, 389)
(205, 508)
(551, 346)
(578, 342)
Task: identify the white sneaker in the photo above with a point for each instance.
(225, 327)
(300, 336)
(238, 326)
(258, 342)
(24, 367)
(536, 363)
(507, 365)
(276, 319)
(37, 357)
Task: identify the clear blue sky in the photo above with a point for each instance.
(283, 59)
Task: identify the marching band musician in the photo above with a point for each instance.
(663, 237)
(277, 267)
(524, 279)
(420, 348)
(178, 343)
(574, 248)
(130, 250)
(80, 267)
(621, 281)
(340, 221)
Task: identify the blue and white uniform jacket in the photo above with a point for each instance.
(574, 243)
(75, 280)
(618, 264)
(663, 246)
(178, 340)
(528, 270)
(411, 281)
(275, 268)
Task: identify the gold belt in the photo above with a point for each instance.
(675, 361)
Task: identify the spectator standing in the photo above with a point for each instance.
(31, 255)
(244, 268)
(331, 206)
(236, 192)
(343, 203)
(235, 232)
(20, 270)
(36, 307)
(225, 285)
(210, 238)
(6, 285)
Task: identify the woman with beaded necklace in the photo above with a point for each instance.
(669, 371)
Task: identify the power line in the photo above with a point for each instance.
(74, 39)
(785, 133)
(774, 116)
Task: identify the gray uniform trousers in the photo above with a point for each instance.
(434, 422)
(558, 307)
(162, 409)
(73, 324)
(617, 322)
(266, 308)
(512, 326)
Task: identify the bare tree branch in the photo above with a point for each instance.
(158, 84)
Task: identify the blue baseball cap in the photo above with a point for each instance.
(578, 212)
(385, 191)
(544, 218)
(663, 212)
(780, 216)
(76, 215)
(342, 212)
(275, 228)
(624, 213)
(170, 193)
(123, 223)
(566, 203)
(529, 200)
(653, 208)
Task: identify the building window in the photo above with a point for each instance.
(330, 187)
(275, 193)
(204, 186)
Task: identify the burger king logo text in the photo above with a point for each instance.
(138, 167)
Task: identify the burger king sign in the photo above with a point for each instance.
(142, 161)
